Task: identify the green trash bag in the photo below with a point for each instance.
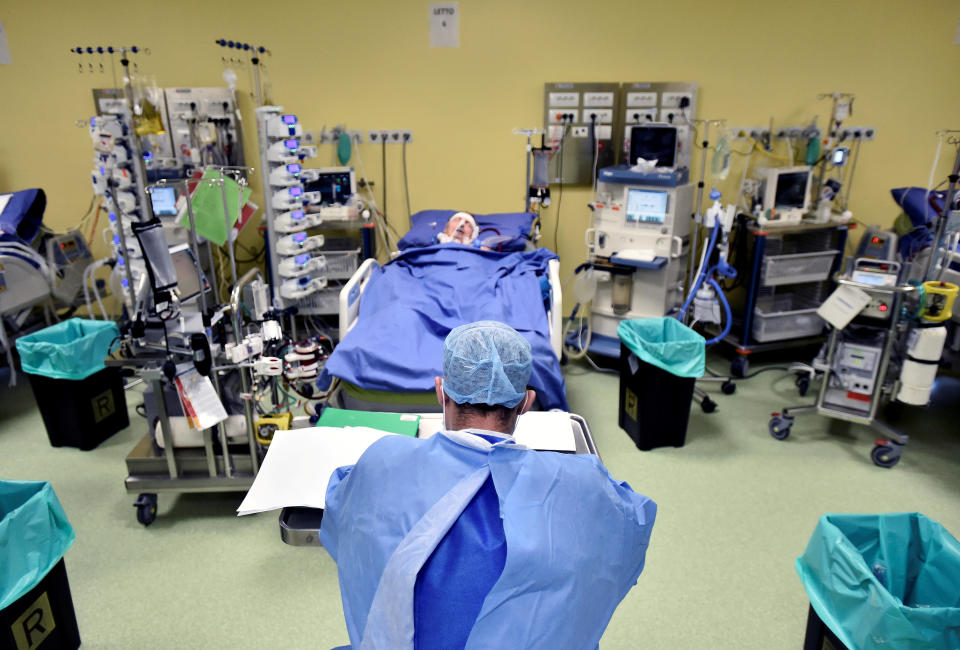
(665, 343)
(73, 349)
(884, 581)
(34, 535)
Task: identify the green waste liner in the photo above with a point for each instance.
(665, 343)
(73, 349)
(207, 202)
(34, 535)
(884, 581)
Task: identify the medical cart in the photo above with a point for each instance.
(299, 526)
(783, 274)
(857, 376)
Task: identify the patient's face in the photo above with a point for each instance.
(459, 230)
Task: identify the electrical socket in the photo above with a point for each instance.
(644, 115)
(672, 99)
(852, 133)
(378, 137)
(743, 132)
(399, 137)
(356, 137)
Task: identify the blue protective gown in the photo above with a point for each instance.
(463, 541)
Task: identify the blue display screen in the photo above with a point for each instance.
(300, 237)
(302, 259)
(296, 191)
(164, 201)
(296, 215)
(289, 119)
(291, 144)
(294, 168)
(646, 206)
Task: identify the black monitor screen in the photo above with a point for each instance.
(333, 187)
(791, 190)
(164, 200)
(654, 142)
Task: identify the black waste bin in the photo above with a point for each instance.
(82, 402)
(660, 359)
(36, 607)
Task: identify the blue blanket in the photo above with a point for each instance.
(411, 304)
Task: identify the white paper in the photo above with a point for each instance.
(4, 199)
(444, 24)
(4, 47)
(843, 305)
(546, 431)
(299, 464)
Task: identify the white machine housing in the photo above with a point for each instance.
(779, 196)
(646, 227)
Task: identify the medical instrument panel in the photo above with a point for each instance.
(580, 121)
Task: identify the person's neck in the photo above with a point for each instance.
(485, 424)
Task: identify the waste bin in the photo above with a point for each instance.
(81, 401)
(36, 609)
(883, 581)
(660, 360)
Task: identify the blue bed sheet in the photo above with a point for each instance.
(509, 231)
(411, 304)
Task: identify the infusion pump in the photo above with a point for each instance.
(640, 222)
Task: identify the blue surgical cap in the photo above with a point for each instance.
(486, 363)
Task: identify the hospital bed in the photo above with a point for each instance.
(366, 362)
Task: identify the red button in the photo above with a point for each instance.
(882, 307)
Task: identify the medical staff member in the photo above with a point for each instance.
(466, 539)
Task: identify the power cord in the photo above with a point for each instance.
(556, 230)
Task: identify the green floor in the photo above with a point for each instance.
(736, 508)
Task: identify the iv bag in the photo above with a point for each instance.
(720, 164)
(146, 97)
(585, 286)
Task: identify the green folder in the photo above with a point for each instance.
(403, 423)
(207, 203)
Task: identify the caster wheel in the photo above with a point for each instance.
(885, 456)
(708, 405)
(146, 505)
(803, 384)
(739, 366)
(563, 359)
(728, 388)
(779, 426)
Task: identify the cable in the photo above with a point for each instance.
(406, 183)
(556, 231)
(383, 167)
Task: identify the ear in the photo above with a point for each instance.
(438, 385)
(527, 401)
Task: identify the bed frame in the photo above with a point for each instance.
(354, 288)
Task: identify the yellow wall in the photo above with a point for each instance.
(368, 65)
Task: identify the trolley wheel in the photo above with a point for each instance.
(885, 456)
(779, 426)
(803, 384)
(146, 505)
(739, 366)
(728, 387)
(564, 360)
(708, 405)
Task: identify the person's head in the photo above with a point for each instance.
(461, 228)
(486, 369)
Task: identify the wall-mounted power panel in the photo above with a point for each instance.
(581, 121)
(204, 126)
(658, 102)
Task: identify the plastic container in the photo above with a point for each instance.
(343, 257)
(796, 268)
(782, 317)
(81, 401)
(884, 581)
(36, 608)
(660, 360)
(325, 301)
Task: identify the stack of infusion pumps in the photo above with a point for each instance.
(298, 267)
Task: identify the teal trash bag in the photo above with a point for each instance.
(34, 535)
(73, 349)
(665, 343)
(884, 581)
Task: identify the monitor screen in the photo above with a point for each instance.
(791, 190)
(654, 142)
(334, 187)
(646, 206)
(186, 270)
(164, 201)
(875, 279)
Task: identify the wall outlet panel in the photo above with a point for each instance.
(657, 101)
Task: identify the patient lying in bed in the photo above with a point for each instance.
(461, 228)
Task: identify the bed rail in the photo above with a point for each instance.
(555, 314)
(350, 295)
